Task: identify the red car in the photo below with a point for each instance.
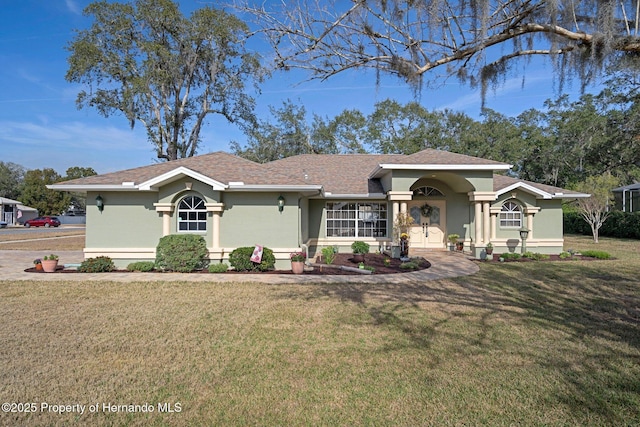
(43, 221)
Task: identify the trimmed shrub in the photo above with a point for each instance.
(359, 247)
(142, 266)
(596, 254)
(565, 255)
(218, 268)
(240, 259)
(510, 255)
(101, 264)
(182, 253)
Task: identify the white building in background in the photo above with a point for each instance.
(13, 212)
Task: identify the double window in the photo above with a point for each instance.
(511, 215)
(349, 219)
(192, 214)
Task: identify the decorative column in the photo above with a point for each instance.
(486, 226)
(478, 219)
(216, 209)
(495, 211)
(167, 210)
(399, 199)
(530, 211)
(481, 200)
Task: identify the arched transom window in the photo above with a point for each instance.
(192, 214)
(511, 215)
(428, 192)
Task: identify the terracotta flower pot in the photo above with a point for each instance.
(297, 267)
(39, 267)
(49, 265)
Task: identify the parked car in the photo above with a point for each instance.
(3, 224)
(43, 221)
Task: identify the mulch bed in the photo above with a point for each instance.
(371, 260)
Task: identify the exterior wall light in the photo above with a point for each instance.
(524, 232)
(280, 203)
(100, 203)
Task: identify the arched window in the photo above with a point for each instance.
(511, 215)
(192, 214)
(428, 192)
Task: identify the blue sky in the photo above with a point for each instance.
(40, 126)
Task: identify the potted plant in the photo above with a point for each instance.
(297, 262)
(401, 225)
(453, 239)
(359, 250)
(50, 263)
(489, 249)
(38, 263)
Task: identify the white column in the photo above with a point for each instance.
(167, 210)
(216, 209)
(486, 221)
(403, 207)
(478, 220)
(530, 211)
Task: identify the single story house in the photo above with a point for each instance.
(312, 201)
(14, 212)
(627, 198)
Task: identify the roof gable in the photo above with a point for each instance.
(503, 184)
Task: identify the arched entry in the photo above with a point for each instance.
(429, 224)
(429, 219)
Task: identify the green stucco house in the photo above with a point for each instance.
(314, 200)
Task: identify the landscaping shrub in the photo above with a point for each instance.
(142, 266)
(359, 247)
(329, 254)
(596, 254)
(411, 265)
(509, 255)
(564, 255)
(101, 264)
(218, 267)
(182, 253)
(240, 259)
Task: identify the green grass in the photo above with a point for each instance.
(546, 343)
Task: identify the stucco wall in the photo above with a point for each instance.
(253, 218)
(129, 220)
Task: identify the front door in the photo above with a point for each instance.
(429, 224)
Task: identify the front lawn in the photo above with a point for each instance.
(538, 343)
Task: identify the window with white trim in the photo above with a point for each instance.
(350, 219)
(511, 215)
(192, 214)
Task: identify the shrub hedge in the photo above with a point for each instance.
(101, 264)
(182, 253)
(142, 266)
(240, 259)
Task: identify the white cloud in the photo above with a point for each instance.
(48, 144)
(73, 7)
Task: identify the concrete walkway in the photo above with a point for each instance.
(443, 265)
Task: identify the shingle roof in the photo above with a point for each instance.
(221, 166)
(337, 173)
(501, 182)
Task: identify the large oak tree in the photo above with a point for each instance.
(147, 61)
(479, 41)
